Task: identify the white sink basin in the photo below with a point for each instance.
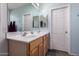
(29, 35)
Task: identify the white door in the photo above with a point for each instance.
(59, 29)
(27, 22)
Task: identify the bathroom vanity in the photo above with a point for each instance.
(31, 45)
(23, 43)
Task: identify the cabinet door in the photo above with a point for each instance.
(45, 48)
(34, 52)
(41, 49)
(45, 45)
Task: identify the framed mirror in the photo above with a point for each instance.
(35, 21)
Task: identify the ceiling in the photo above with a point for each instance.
(15, 5)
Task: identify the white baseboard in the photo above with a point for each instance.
(3, 54)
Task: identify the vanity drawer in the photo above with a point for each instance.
(40, 40)
(46, 37)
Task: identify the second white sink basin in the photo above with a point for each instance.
(31, 35)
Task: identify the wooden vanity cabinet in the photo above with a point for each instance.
(41, 44)
(38, 47)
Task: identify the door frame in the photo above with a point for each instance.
(23, 19)
(68, 8)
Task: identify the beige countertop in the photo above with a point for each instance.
(18, 36)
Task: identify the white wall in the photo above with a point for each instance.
(3, 28)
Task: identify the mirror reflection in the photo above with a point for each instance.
(25, 18)
(35, 21)
(43, 21)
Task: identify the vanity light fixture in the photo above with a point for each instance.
(36, 5)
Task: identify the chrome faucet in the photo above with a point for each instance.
(24, 34)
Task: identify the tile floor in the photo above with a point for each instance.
(57, 53)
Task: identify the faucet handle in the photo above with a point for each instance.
(31, 32)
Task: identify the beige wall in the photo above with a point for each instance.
(3, 28)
